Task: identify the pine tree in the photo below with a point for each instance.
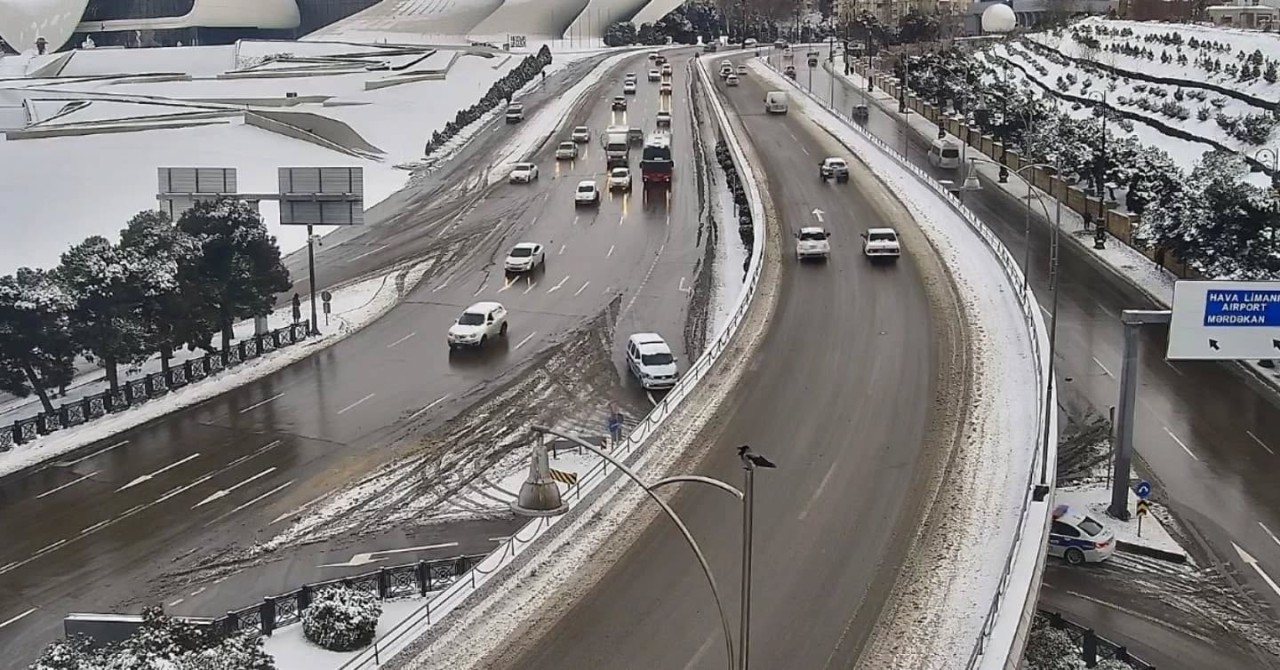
(106, 317)
(236, 272)
(155, 250)
(37, 352)
(1269, 74)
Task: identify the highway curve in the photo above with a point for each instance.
(844, 397)
(98, 531)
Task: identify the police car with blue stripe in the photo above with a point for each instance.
(1079, 538)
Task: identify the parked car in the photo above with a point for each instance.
(478, 324)
(620, 179)
(525, 257)
(586, 194)
(812, 242)
(619, 104)
(515, 112)
(834, 167)
(566, 151)
(881, 243)
(1078, 537)
(523, 173)
(651, 361)
(581, 135)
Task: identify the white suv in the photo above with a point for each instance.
(812, 242)
(620, 179)
(587, 194)
(526, 257)
(523, 173)
(878, 243)
(477, 324)
(651, 361)
(566, 151)
(581, 135)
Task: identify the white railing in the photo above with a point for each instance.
(1039, 344)
(446, 601)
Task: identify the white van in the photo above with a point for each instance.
(944, 154)
(775, 102)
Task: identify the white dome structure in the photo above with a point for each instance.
(999, 19)
(22, 22)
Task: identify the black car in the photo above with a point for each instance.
(619, 104)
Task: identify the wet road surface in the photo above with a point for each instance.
(848, 363)
(93, 532)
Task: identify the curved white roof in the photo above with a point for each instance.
(24, 21)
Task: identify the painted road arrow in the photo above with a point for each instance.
(375, 556)
(1213, 344)
(818, 214)
(224, 492)
(1253, 563)
(147, 478)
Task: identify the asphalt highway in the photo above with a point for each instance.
(1206, 439)
(840, 398)
(96, 530)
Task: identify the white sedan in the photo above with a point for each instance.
(523, 173)
(812, 243)
(526, 257)
(620, 179)
(881, 243)
(586, 194)
(566, 151)
(581, 135)
(478, 324)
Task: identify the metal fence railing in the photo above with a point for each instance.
(1092, 647)
(135, 392)
(1035, 327)
(627, 450)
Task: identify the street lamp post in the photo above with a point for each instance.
(1261, 156)
(1101, 97)
(311, 278)
(750, 461)
(1026, 258)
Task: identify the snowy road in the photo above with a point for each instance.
(849, 363)
(1206, 438)
(114, 526)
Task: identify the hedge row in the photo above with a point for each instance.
(502, 90)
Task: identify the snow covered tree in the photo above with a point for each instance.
(75, 653)
(106, 316)
(235, 273)
(1050, 648)
(37, 352)
(915, 26)
(341, 619)
(620, 34)
(155, 250)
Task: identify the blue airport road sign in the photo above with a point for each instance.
(1143, 489)
(1241, 308)
(1225, 320)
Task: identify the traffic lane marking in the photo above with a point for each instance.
(525, 340)
(64, 464)
(356, 404)
(433, 403)
(260, 498)
(1180, 443)
(1139, 615)
(260, 403)
(67, 485)
(149, 477)
(1260, 442)
(822, 486)
(18, 618)
(403, 339)
(1104, 368)
(1269, 533)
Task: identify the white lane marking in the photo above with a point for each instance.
(147, 478)
(94, 527)
(18, 618)
(225, 492)
(403, 339)
(1180, 444)
(1175, 369)
(246, 457)
(1269, 533)
(668, 219)
(442, 285)
(480, 290)
(260, 403)
(610, 251)
(101, 451)
(177, 602)
(1139, 615)
(67, 485)
(500, 539)
(822, 486)
(51, 547)
(258, 499)
(508, 283)
(376, 556)
(702, 651)
(528, 288)
(1104, 368)
(181, 489)
(622, 219)
(643, 283)
(526, 340)
(1046, 311)
(433, 403)
(575, 219)
(561, 252)
(1260, 442)
(585, 284)
(1253, 563)
(198, 591)
(369, 253)
(557, 287)
(356, 404)
(534, 222)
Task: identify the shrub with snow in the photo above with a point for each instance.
(341, 619)
(1049, 648)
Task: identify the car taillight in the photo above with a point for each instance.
(1102, 545)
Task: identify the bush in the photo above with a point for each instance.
(1203, 113)
(341, 619)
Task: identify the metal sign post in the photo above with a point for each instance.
(1133, 319)
(1143, 489)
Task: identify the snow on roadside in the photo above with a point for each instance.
(977, 516)
(1095, 498)
(292, 650)
(731, 254)
(355, 306)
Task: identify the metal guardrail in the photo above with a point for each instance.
(135, 392)
(1035, 326)
(1092, 647)
(417, 623)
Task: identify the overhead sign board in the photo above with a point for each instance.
(1225, 320)
(179, 188)
(322, 196)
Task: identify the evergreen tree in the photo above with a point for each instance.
(155, 250)
(620, 34)
(106, 315)
(235, 273)
(37, 352)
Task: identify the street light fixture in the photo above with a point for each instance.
(1261, 155)
(1101, 97)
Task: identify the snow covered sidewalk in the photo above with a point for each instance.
(1153, 541)
(1131, 265)
(353, 306)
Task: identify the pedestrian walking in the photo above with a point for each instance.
(297, 308)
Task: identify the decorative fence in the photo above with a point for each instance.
(134, 392)
(1093, 647)
(416, 624)
(401, 581)
(1038, 336)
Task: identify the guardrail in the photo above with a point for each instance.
(134, 392)
(421, 620)
(1092, 647)
(1035, 326)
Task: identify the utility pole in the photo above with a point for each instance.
(1133, 319)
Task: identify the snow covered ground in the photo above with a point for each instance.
(292, 651)
(1095, 498)
(385, 127)
(978, 518)
(354, 306)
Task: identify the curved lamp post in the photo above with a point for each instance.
(1261, 155)
(750, 462)
(1101, 97)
